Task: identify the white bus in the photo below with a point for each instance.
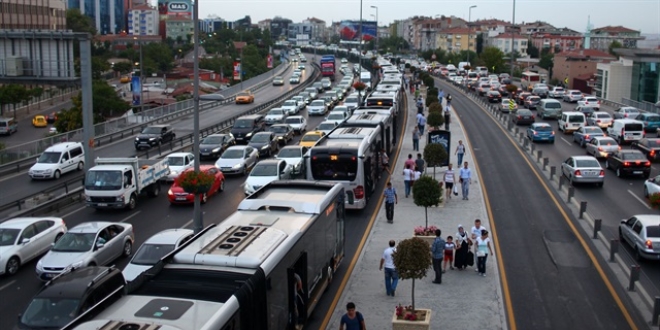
(264, 267)
(383, 118)
(349, 156)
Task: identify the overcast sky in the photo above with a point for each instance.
(641, 15)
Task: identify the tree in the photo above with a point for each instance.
(435, 119)
(77, 22)
(427, 192)
(412, 259)
(435, 155)
(493, 58)
(99, 66)
(546, 61)
(13, 94)
(106, 103)
(614, 45)
(435, 107)
(532, 50)
(123, 67)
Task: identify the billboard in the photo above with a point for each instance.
(136, 87)
(269, 61)
(444, 138)
(350, 30)
(237, 70)
(175, 8)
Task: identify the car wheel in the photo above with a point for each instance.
(582, 144)
(132, 202)
(81, 166)
(57, 238)
(91, 264)
(618, 172)
(600, 184)
(128, 249)
(244, 172)
(222, 186)
(13, 264)
(646, 191)
(57, 175)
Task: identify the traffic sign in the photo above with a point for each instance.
(566, 80)
(512, 105)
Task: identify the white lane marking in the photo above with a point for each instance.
(7, 285)
(74, 211)
(569, 143)
(187, 224)
(639, 199)
(130, 216)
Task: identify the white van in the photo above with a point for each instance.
(59, 159)
(570, 121)
(365, 77)
(549, 108)
(626, 130)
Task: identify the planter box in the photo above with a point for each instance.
(421, 324)
(428, 239)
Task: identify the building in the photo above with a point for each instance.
(613, 80)
(279, 28)
(602, 38)
(569, 65)
(213, 24)
(490, 27)
(300, 31)
(558, 40)
(318, 28)
(425, 30)
(503, 43)
(243, 23)
(535, 27)
(456, 40)
(33, 14)
(143, 20)
(264, 24)
(109, 16)
(179, 27)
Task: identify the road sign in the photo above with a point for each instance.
(512, 105)
(566, 80)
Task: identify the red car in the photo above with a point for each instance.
(176, 195)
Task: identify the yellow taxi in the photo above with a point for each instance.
(310, 138)
(39, 121)
(244, 97)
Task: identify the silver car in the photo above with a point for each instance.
(600, 119)
(23, 239)
(642, 232)
(87, 244)
(237, 160)
(556, 92)
(602, 146)
(153, 249)
(583, 169)
(317, 107)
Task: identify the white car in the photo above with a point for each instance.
(327, 126)
(154, 248)
(291, 107)
(301, 101)
(338, 117)
(600, 119)
(294, 157)
(342, 108)
(299, 123)
(572, 95)
(179, 162)
(265, 172)
(652, 186)
(590, 101)
(317, 107)
(237, 159)
(352, 101)
(23, 239)
(556, 92)
(295, 79)
(276, 116)
(343, 60)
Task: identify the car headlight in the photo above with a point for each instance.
(174, 173)
(40, 265)
(137, 139)
(280, 138)
(237, 166)
(216, 150)
(48, 171)
(169, 192)
(76, 265)
(152, 139)
(120, 198)
(265, 147)
(248, 134)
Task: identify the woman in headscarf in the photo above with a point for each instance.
(462, 244)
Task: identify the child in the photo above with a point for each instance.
(450, 246)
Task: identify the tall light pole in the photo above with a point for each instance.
(377, 37)
(141, 74)
(469, 31)
(360, 42)
(198, 222)
(513, 26)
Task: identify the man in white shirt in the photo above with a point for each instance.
(391, 276)
(474, 234)
(465, 176)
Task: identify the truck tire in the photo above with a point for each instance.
(154, 191)
(132, 202)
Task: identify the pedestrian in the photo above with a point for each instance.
(437, 252)
(449, 254)
(410, 162)
(465, 176)
(483, 248)
(448, 99)
(448, 179)
(408, 176)
(447, 117)
(420, 163)
(462, 247)
(384, 161)
(460, 152)
(416, 176)
(421, 123)
(415, 137)
(391, 276)
(352, 320)
(441, 94)
(475, 233)
(391, 198)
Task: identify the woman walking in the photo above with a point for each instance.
(408, 177)
(460, 152)
(483, 248)
(462, 248)
(415, 137)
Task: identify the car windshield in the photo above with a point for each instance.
(149, 254)
(213, 140)
(260, 138)
(278, 78)
(103, 180)
(603, 115)
(311, 137)
(653, 231)
(233, 154)
(8, 236)
(264, 170)
(75, 242)
(653, 143)
(543, 128)
(575, 119)
(49, 158)
(587, 163)
(593, 130)
(243, 123)
(175, 161)
(559, 89)
(151, 130)
(276, 112)
(351, 100)
(336, 116)
(326, 126)
(652, 118)
(290, 104)
(278, 129)
(318, 103)
(293, 120)
(50, 312)
(242, 94)
(290, 153)
(632, 156)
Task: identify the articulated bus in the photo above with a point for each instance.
(348, 156)
(373, 118)
(264, 267)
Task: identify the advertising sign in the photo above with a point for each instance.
(350, 30)
(444, 138)
(269, 61)
(237, 70)
(175, 7)
(136, 87)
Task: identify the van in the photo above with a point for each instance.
(626, 130)
(246, 126)
(549, 108)
(57, 160)
(570, 121)
(8, 126)
(365, 77)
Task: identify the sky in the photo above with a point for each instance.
(641, 15)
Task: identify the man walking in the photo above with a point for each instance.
(421, 123)
(391, 276)
(448, 179)
(419, 163)
(475, 233)
(415, 137)
(391, 198)
(437, 252)
(465, 176)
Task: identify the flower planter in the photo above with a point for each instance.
(427, 239)
(199, 189)
(422, 323)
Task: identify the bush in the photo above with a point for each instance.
(655, 200)
(432, 91)
(435, 119)
(435, 154)
(412, 259)
(435, 107)
(429, 82)
(431, 98)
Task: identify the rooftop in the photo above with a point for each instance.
(614, 29)
(457, 30)
(509, 36)
(639, 54)
(587, 53)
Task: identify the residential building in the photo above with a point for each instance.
(503, 43)
(213, 24)
(179, 27)
(489, 27)
(109, 16)
(601, 38)
(143, 20)
(426, 29)
(279, 28)
(569, 65)
(264, 24)
(456, 40)
(613, 80)
(318, 28)
(558, 40)
(33, 14)
(535, 27)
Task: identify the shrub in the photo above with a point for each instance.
(435, 107)
(655, 200)
(412, 259)
(435, 119)
(435, 154)
(431, 98)
(427, 192)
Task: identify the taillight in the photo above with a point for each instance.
(577, 173)
(553, 133)
(652, 153)
(598, 121)
(649, 244)
(625, 115)
(626, 164)
(359, 192)
(602, 173)
(600, 148)
(532, 116)
(519, 117)
(586, 137)
(647, 164)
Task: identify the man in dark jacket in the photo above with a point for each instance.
(437, 252)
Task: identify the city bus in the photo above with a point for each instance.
(348, 156)
(264, 267)
(383, 118)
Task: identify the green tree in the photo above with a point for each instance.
(614, 45)
(435, 155)
(122, 67)
(412, 259)
(160, 56)
(435, 119)
(13, 94)
(99, 66)
(532, 50)
(493, 58)
(252, 62)
(435, 107)
(106, 103)
(77, 22)
(427, 193)
(546, 61)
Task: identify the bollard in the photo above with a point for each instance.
(656, 311)
(553, 170)
(546, 160)
(561, 181)
(539, 155)
(532, 148)
(634, 276)
(614, 248)
(571, 192)
(597, 224)
(525, 143)
(583, 208)
(517, 130)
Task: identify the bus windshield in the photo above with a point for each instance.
(339, 170)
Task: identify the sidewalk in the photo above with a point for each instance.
(464, 300)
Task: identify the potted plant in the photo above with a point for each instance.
(435, 154)
(655, 200)
(359, 86)
(427, 192)
(412, 259)
(194, 182)
(435, 107)
(435, 120)
(425, 233)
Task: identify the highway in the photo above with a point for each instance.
(28, 133)
(556, 282)
(155, 214)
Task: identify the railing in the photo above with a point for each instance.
(17, 158)
(71, 191)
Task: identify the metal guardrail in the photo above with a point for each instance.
(117, 129)
(71, 191)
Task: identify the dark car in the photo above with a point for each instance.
(531, 102)
(523, 117)
(494, 97)
(70, 294)
(154, 135)
(540, 92)
(52, 117)
(214, 145)
(246, 126)
(521, 97)
(283, 132)
(650, 147)
(629, 162)
(587, 111)
(266, 143)
(503, 91)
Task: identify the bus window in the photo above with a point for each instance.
(341, 169)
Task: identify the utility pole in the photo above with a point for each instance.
(513, 29)
(469, 32)
(198, 221)
(360, 42)
(377, 34)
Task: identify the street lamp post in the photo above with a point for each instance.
(377, 34)
(141, 74)
(360, 42)
(198, 222)
(513, 24)
(469, 31)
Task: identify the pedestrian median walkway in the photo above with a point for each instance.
(464, 300)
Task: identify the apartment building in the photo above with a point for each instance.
(143, 20)
(569, 65)
(602, 38)
(456, 40)
(33, 14)
(503, 43)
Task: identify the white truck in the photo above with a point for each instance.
(115, 183)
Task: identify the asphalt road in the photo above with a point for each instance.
(28, 133)
(155, 214)
(553, 282)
